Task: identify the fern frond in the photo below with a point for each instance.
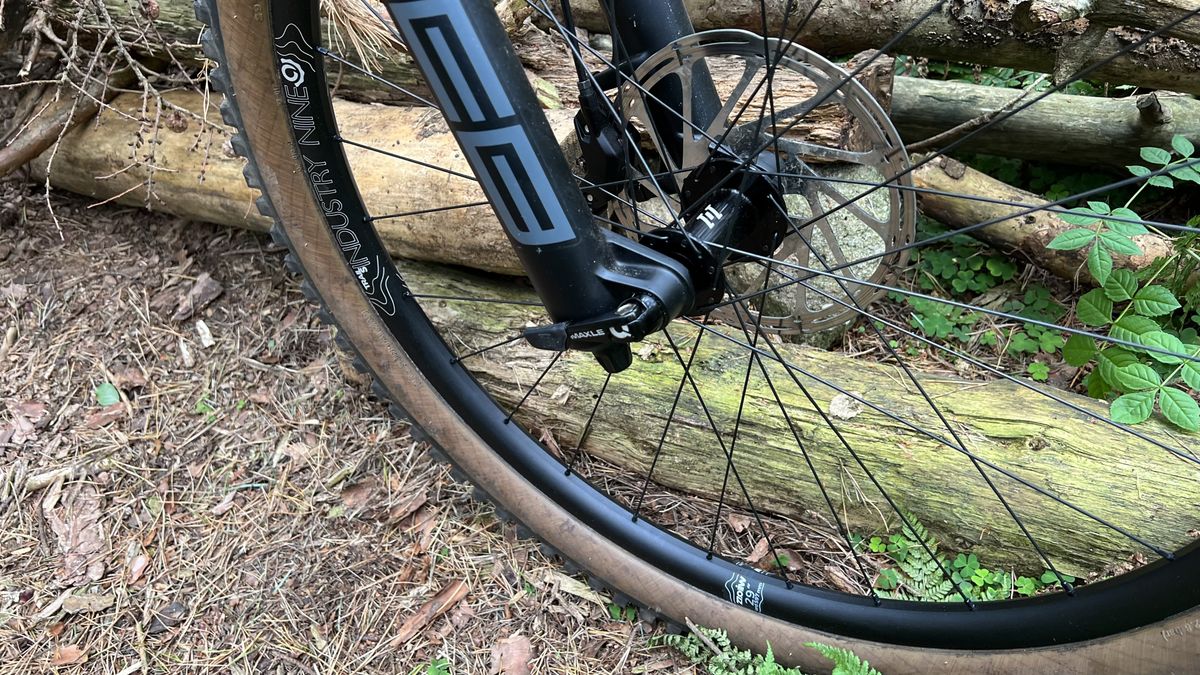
(845, 662)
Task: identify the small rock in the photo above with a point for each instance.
(166, 618)
(845, 407)
(206, 336)
(204, 291)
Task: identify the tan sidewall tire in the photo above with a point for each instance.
(1173, 646)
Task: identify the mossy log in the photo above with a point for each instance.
(1074, 456)
(1029, 233)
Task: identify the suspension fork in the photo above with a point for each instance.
(603, 289)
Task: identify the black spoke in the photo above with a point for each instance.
(687, 373)
(662, 440)
(587, 427)
(385, 82)
(538, 381)
(461, 298)
(425, 212)
(842, 530)
(794, 371)
(411, 160)
(1058, 87)
(912, 377)
(485, 350)
(831, 274)
(1182, 454)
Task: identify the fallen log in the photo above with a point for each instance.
(1049, 36)
(1028, 233)
(1081, 130)
(1043, 36)
(190, 171)
(1080, 459)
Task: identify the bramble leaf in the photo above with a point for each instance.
(1079, 350)
(1133, 408)
(1094, 308)
(1156, 156)
(1072, 240)
(1180, 409)
(1100, 264)
(1155, 301)
(1121, 286)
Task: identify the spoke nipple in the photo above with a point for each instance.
(635, 518)
(708, 556)
(1070, 588)
(567, 472)
(875, 597)
(970, 604)
(788, 585)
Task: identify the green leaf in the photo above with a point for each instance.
(1119, 243)
(1133, 408)
(1138, 377)
(1100, 207)
(1155, 301)
(1139, 171)
(1129, 229)
(1131, 328)
(1121, 286)
(1072, 240)
(1183, 146)
(1187, 173)
(1079, 350)
(1100, 264)
(1166, 342)
(1094, 308)
(107, 394)
(1191, 374)
(1162, 182)
(1111, 360)
(1039, 371)
(1156, 156)
(1081, 217)
(1096, 385)
(1180, 409)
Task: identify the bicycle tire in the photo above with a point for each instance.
(1156, 597)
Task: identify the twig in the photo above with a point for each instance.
(712, 646)
(970, 125)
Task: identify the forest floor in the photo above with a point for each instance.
(242, 504)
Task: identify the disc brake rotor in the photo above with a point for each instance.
(834, 146)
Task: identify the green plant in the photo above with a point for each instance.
(1147, 373)
(437, 666)
(919, 571)
(618, 613)
(712, 649)
(845, 662)
(107, 394)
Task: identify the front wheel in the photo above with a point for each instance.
(564, 451)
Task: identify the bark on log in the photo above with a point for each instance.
(1060, 128)
(992, 32)
(1029, 233)
(1091, 464)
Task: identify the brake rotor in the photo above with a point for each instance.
(833, 145)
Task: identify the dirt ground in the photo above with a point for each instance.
(242, 504)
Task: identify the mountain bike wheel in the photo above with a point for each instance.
(418, 334)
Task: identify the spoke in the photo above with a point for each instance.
(862, 465)
(573, 43)
(587, 427)
(662, 440)
(485, 350)
(845, 533)
(912, 377)
(393, 155)
(994, 370)
(728, 455)
(811, 272)
(463, 298)
(1058, 87)
(538, 381)
(794, 370)
(422, 212)
(387, 83)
